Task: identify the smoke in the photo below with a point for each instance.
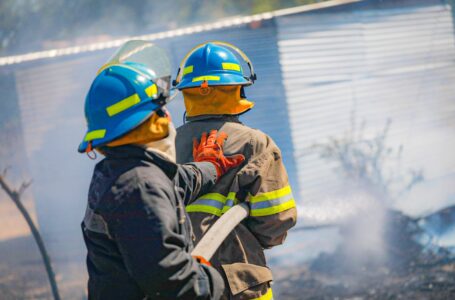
(36, 25)
(335, 209)
(349, 225)
(360, 216)
(364, 232)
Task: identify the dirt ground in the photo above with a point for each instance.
(411, 271)
(23, 277)
(424, 282)
(406, 269)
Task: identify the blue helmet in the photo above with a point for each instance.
(213, 64)
(120, 98)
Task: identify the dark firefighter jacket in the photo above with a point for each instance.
(263, 182)
(137, 233)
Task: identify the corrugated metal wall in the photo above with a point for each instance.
(315, 70)
(374, 63)
(51, 95)
(269, 114)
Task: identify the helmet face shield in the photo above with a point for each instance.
(152, 57)
(127, 90)
(148, 59)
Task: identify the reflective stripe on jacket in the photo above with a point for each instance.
(262, 180)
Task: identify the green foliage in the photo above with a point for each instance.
(30, 25)
(259, 6)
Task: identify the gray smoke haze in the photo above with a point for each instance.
(27, 25)
(352, 220)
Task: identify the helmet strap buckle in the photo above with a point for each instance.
(204, 84)
(204, 89)
(90, 152)
(161, 100)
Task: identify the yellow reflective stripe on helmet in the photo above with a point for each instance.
(266, 296)
(187, 70)
(231, 66)
(271, 195)
(151, 91)
(95, 134)
(202, 78)
(123, 105)
(240, 52)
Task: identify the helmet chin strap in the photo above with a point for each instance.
(251, 78)
(242, 93)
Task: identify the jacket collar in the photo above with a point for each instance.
(226, 118)
(135, 152)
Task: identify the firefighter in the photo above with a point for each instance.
(135, 228)
(212, 82)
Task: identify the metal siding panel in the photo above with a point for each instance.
(385, 61)
(269, 114)
(51, 96)
(391, 62)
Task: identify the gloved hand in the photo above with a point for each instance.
(210, 149)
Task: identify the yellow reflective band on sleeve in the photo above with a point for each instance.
(266, 296)
(214, 196)
(231, 66)
(123, 105)
(202, 78)
(261, 212)
(204, 209)
(95, 134)
(187, 70)
(271, 195)
(151, 90)
(271, 203)
(213, 203)
(231, 200)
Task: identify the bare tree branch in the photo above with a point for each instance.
(369, 161)
(24, 186)
(15, 195)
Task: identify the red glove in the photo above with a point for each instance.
(210, 149)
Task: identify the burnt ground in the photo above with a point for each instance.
(423, 282)
(406, 270)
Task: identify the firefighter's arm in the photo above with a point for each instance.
(208, 155)
(272, 206)
(154, 250)
(195, 179)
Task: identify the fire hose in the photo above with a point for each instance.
(210, 242)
